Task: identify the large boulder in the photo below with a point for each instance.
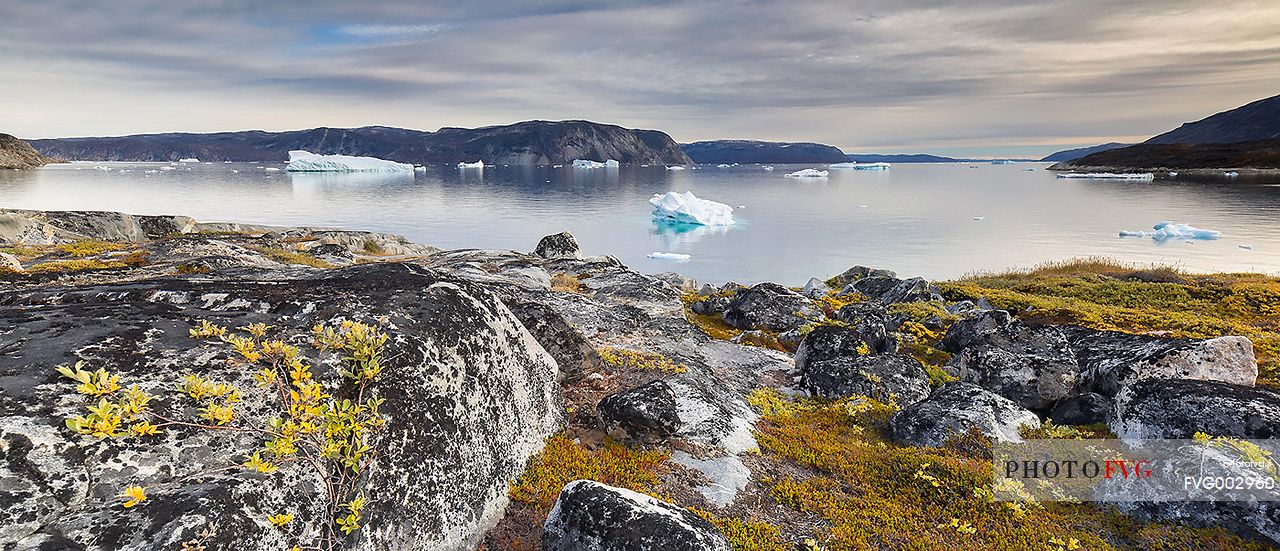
(896, 378)
(957, 408)
(887, 289)
(590, 516)
(769, 306)
(647, 412)
(1111, 360)
(858, 272)
(469, 394)
(560, 245)
(974, 329)
(828, 342)
(1154, 409)
(870, 321)
(1031, 365)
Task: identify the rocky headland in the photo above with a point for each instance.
(17, 154)
(522, 143)
(564, 401)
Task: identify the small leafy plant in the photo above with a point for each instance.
(310, 429)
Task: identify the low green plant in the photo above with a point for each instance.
(644, 361)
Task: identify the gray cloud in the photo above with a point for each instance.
(872, 75)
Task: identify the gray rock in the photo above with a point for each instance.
(827, 343)
(972, 330)
(1153, 409)
(560, 245)
(870, 321)
(911, 290)
(815, 288)
(590, 516)
(872, 286)
(957, 408)
(575, 355)
(1082, 409)
(896, 378)
(10, 263)
(1111, 360)
(710, 306)
(470, 397)
(1034, 366)
(648, 412)
(769, 306)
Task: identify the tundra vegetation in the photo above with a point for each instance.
(310, 425)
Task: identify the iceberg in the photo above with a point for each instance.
(477, 164)
(872, 166)
(677, 167)
(1166, 230)
(768, 168)
(305, 161)
(808, 173)
(1231, 174)
(1001, 162)
(584, 163)
(687, 208)
(723, 165)
(610, 163)
(842, 165)
(189, 160)
(673, 257)
(1108, 175)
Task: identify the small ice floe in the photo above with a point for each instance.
(234, 171)
(1245, 246)
(419, 168)
(742, 206)
(1231, 174)
(768, 168)
(687, 208)
(226, 162)
(1173, 174)
(809, 173)
(723, 165)
(1166, 230)
(274, 169)
(872, 166)
(644, 166)
(676, 167)
(167, 167)
(863, 206)
(669, 257)
(189, 160)
(306, 161)
(1108, 175)
(479, 164)
(1002, 162)
(979, 217)
(146, 171)
(842, 165)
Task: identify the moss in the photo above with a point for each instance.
(373, 248)
(90, 247)
(1103, 296)
(644, 361)
(566, 283)
(191, 269)
(748, 535)
(23, 252)
(287, 256)
(562, 461)
(871, 493)
(133, 260)
(1051, 431)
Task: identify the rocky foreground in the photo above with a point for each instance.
(555, 400)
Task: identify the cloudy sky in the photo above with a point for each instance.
(979, 77)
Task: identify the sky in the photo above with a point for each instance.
(976, 78)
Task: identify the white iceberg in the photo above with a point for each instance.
(584, 163)
(842, 165)
(687, 208)
(872, 166)
(677, 167)
(1166, 230)
(1108, 175)
(189, 160)
(723, 165)
(305, 161)
(673, 257)
(768, 168)
(1231, 174)
(1002, 162)
(979, 218)
(610, 163)
(808, 173)
(477, 164)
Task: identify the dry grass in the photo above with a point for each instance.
(566, 283)
(292, 257)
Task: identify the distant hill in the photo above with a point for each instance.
(15, 153)
(750, 151)
(902, 158)
(1072, 154)
(1259, 154)
(530, 142)
(1253, 122)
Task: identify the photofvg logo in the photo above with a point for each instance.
(1200, 469)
